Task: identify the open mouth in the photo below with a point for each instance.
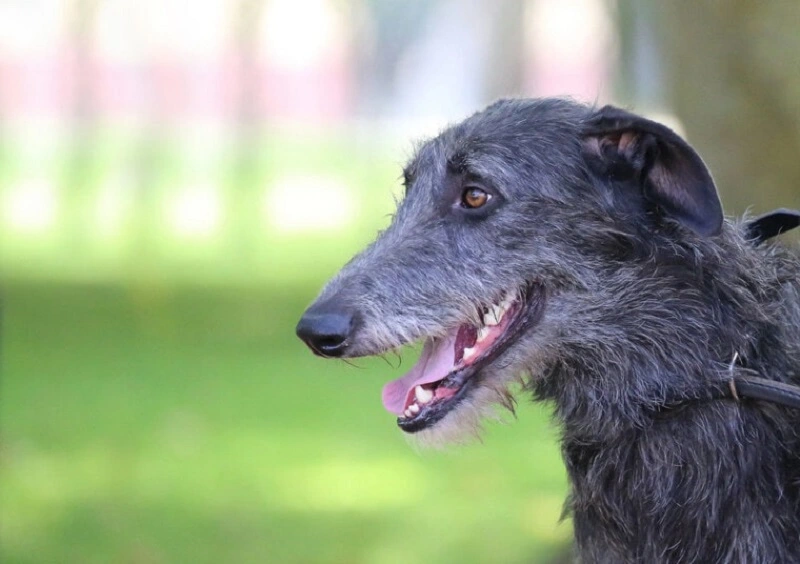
(449, 367)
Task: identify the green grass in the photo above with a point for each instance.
(151, 424)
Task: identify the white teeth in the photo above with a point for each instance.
(494, 316)
(423, 396)
(496, 312)
(413, 408)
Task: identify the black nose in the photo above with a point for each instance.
(326, 331)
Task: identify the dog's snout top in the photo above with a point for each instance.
(327, 330)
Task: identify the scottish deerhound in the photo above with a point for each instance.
(584, 252)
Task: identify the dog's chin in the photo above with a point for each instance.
(490, 400)
(461, 379)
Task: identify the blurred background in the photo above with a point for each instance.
(178, 179)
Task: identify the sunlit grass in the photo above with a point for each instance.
(148, 424)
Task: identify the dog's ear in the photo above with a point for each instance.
(621, 146)
(771, 225)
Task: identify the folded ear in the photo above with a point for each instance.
(621, 146)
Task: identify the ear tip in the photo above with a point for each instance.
(714, 228)
(703, 216)
(710, 224)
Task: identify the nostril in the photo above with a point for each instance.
(330, 341)
(326, 332)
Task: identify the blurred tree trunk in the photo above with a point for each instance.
(733, 77)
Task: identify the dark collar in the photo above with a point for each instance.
(754, 387)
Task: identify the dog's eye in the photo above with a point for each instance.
(474, 197)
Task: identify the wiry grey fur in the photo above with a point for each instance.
(642, 311)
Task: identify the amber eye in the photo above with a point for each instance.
(474, 197)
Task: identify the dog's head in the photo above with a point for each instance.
(515, 226)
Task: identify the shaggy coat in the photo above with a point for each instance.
(646, 296)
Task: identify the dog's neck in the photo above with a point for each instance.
(658, 333)
(703, 481)
(708, 484)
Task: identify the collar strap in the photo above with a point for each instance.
(753, 387)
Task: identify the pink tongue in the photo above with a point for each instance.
(435, 362)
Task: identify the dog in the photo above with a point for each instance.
(583, 253)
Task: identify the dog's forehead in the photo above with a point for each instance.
(457, 149)
(508, 131)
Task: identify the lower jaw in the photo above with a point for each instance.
(467, 379)
(434, 413)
